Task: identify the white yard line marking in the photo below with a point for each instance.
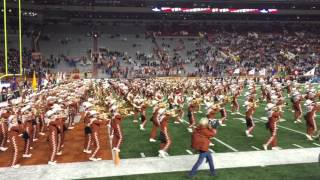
(184, 121)
(316, 144)
(289, 129)
(142, 155)
(283, 127)
(188, 151)
(225, 144)
(255, 148)
(211, 150)
(296, 145)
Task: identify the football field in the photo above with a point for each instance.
(230, 138)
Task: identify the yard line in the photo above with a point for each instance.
(211, 150)
(296, 145)
(184, 121)
(316, 144)
(142, 155)
(225, 144)
(188, 151)
(255, 148)
(289, 129)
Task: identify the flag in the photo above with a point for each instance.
(252, 72)
(310, 73)
(34, 81)
(236, 71)
(262, 72)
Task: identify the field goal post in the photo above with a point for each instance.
(5, 33)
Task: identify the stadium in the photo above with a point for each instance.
(153, 89)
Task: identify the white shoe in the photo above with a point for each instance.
(152, 140)
(189, 129)
(16, 166)
(265, 147)
(276, 148)
(42, 134)
(94, 159)
(52, 163)
(142, 128)
(211, 144)
(3, 148)
(176, 122)
(223, 124)
(298, 121)
(59, 153)
(135, 121)
(309, 137)
(26, 155)
(31, 147)
(70, 127)
(36, 139)
(163, 154)
(248, 134)
(116, 149)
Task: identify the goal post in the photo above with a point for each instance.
(5, 34)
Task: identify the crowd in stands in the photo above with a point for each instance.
(217, 50)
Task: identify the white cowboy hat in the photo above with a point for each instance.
(269, 106)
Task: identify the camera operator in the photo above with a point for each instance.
(200, 142)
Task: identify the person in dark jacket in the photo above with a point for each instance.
(200, 142)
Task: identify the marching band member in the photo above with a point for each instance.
(60, 118)
(87, 129)
(164, 133)
(72, 109)
(311, 109)
(296, 102)
(4, 115)
(117, 138)
(191, 109)
(14, 131)
(34, 124)
(157, 112)
(250, 109)
(28, 130)
(95, 123)
(178, 102)
(41, 117)
(223, 111)
(235, 105)
(139, 107)
(53, 126)
(273, 118)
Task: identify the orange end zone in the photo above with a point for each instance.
(72, 150)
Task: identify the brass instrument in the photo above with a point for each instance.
(2, 120)
(172, 113)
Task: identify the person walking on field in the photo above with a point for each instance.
(200, 142)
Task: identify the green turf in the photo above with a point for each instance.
(136, 141)
(281, 172)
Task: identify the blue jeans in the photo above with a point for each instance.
(202, 156)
